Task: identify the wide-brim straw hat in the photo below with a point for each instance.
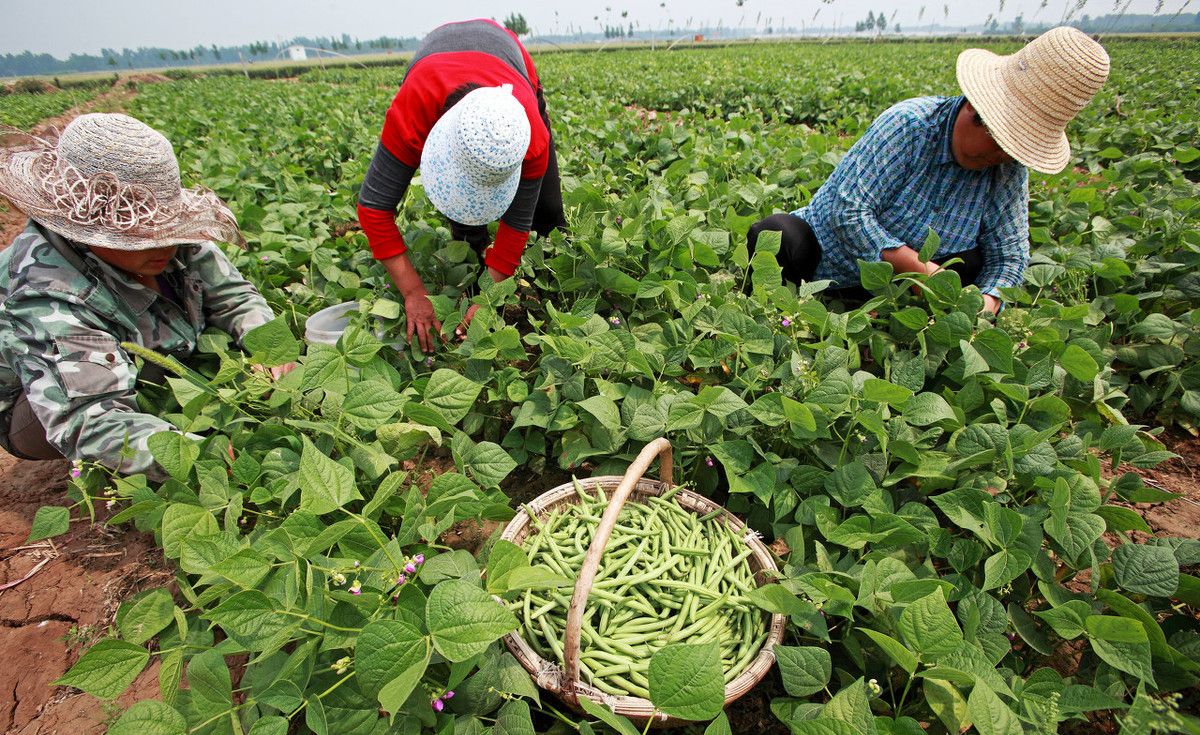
(109, 180)
(1026, 99)
(471, 162)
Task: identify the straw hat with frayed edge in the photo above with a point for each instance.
(1026, 99)
(471, 162)
(109, 180)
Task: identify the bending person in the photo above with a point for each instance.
(957, 165)
(471, 115)
(115, 251)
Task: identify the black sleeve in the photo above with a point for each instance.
(520, 213)
(386, 181)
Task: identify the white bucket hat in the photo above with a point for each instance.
(1026, 99)
(471, 162)
(109, 180)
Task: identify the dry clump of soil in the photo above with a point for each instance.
(58, 597)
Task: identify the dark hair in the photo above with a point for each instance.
(456, 96)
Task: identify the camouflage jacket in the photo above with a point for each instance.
(64, 313)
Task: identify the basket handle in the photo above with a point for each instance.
(591, 562)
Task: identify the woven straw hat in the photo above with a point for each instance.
(109, 180)
(1026, 99)
(471, 162)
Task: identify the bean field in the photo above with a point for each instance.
(953, 504)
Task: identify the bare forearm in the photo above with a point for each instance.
(906, 260)
(404, 275)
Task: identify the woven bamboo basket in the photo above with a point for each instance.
(565, 681)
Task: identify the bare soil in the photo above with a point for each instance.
(64, 595)
(1180, 517)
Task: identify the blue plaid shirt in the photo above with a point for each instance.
(900, 179)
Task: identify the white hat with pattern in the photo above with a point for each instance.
(471, 162)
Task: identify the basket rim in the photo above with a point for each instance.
(550, 675)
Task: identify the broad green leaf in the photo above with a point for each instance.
(1067, 619)
(452, 565)
(464, 620)
(514, 718)
(254, 621)
(107, 669)
(1147, 570)
(386, 649)
(325, 485)
(451, 394)
(371, 403)
(141, 619)
(1076, 361)
(272, 343)
(150, 717)
(929, 627)
(686, 681)
(607, 716)
(174, 452)
(947, 703)
(396, 692)
(1122, 643)
(875, 276)
(182, 521)
(991, 715)
(851, 706)
(49, 521)
(885, 392)
(209, 680)
(719, 726)
(272, 725)
(1004, 566)
(924, 409)
(895, 650)
(605, 410)
(805, 669)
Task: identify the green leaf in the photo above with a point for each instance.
(271, 725)
(607, 716)
(107, 669)
(884, 391)
(1004, 566)
(181, 522)
(805, 669)
(929, 627)
(451, 394)
(371, 403)
(851, 706)
(272, 343)
(140, 619)
(605, 410)
(990, 715)
(514, 718)
(1067, 619)
(875, 276)
(464, 620)
(719, 726)
(253, 621)
(325, 485)
(1122, 643)
(687, 681)
(150, 717)
(903, 657)
(924, 409)
(1078, 363)
(453, 565)
(930, 247)
(1147, 570)
(209, 679)
(49, 521)
(396, 692)
(175, 452)
(386, 649)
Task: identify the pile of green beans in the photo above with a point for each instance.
(667, 576)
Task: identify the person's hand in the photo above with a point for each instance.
(276, 372)
(418, 310)
(991, 303)
(461, 330)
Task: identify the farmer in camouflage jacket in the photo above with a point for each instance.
(115, 251)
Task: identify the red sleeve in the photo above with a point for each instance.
(382, 232)
(505, 254)
(410, 117)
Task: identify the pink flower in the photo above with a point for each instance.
(438, 705)
(785, 322)
(76, 472)
(410, 567)
(401, 579)
(428, 362)
(708, 461)
(419, 558)
(356, 588)
(449, 694)
(616, 320)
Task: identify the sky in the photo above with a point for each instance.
(75, 26)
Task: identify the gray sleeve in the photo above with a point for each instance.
(520, 213)
(386, 182)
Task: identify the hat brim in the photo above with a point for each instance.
(451, 189)
(1041, 148)
(28, 164)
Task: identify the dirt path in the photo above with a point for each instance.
(69, 600)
